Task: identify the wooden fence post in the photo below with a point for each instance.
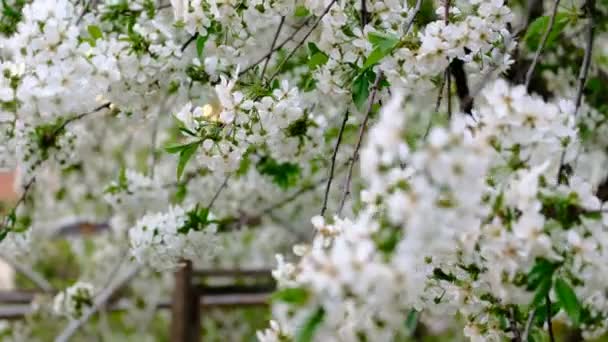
(185, 308)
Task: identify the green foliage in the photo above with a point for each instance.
(299, 127)
(307, 331)
(538, 27)
(185, 152)
(387, 238)
(316, 57)
(540, 279)
(564, 209)
(383, 45)
(200, 45)
(285, 175)
(569, 302)
(440, 274)
(95, 32)
(360, 88)
(197, 219)
(291, 295)
(10, 16)
(301, 12)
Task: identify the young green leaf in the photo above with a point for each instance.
(307, 331)
(360, 90)
(538, 27)
(284, 175)
(383, 46)
(301, 11)
(542, 291)
(184, 156)
(567, 298)
(542, 270)
(95, 32)
(200, 45)
(292, 295)
(178, 148)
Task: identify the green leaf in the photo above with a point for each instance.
(307, 332)
(200, 45)
(95, 32)
(382, 41)
(284, 175)
(411, 322)
(360, 90)
(301, 11)
(292, 295)
(541, 270)
(180, 193)
(184, 156)
(178, 148)
(383, 45)
(316, 56)
(542, 291)
(317, 59)
(567, 298)
(3, 233)
(539, 26)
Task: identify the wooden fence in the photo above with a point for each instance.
(194, 291)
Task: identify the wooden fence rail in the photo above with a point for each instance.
(192, 293)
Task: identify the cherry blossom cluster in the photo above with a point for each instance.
(425, 161)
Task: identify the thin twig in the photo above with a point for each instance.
(100, 302)
(302, 41)
(362, 129)
(80, 116)
(31, 274)
(448, 76)
(590, 31)
(277, 48)
(364, 13)
(218, 192)
(513, 326)
(542, 43)
(437, 105)
(528, 328)
(274, 42)
(84, 11)
(410, 19)
(189, 41)
(333, 163)
(549, 321)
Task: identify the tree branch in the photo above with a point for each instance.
(100, 302)
(31, 274)
(549, 321)
(274, 42)
(542, 43)
(333, 163)
(589, 34)
(303, 40)
(362, 129)
(276, 48)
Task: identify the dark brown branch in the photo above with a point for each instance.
(333, 163)
(277, 48)
(542, 43)
(303, 40)
(274, 42)
(462, 86)
(218, 192)
(189, 41)
(362, 130)
(589, 34)
(514, 327)
(364, 14)
(549, 320)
